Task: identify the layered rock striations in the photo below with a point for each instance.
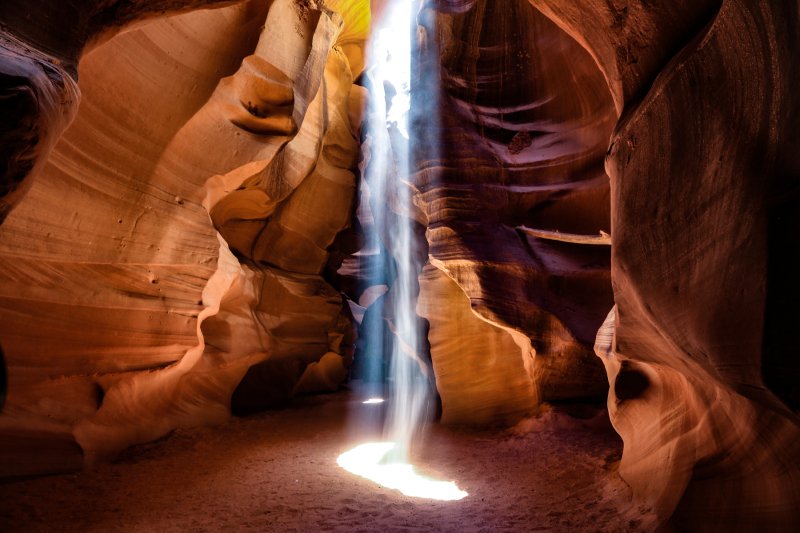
(114, 268)
(512, 168)
(41, 45)
(177, 254)
(103, 265)
(703, 167)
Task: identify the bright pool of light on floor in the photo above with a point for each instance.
(368, 461)
(373, 400)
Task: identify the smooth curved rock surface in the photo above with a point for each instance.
(284, 119)
(524, 123)
(137, 259)
(701, 165)
(94, 280)
(484, 373)
(179, 249)
(41, 44)
(38, 100)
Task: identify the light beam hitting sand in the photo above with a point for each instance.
(367, 460)
(373, 401)
(387, 463)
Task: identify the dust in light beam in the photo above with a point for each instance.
(387, 463)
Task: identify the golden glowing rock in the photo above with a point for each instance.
(177, 251)
(484, 373)
(127, 196)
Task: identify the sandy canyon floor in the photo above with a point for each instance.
(277, 471)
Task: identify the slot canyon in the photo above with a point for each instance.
(218, 238)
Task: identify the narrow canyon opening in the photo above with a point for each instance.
(535, 251)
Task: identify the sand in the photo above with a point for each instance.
(277, 471)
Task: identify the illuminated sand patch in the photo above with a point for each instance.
(387, 177)
(369, 461)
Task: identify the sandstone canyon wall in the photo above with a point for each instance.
(704, 168)
(176, 255)
(108, 292)
(511, 185)
(94, 281)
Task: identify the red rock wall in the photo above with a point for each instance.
(105, 262)
(113, 266)
(701, 165)
(515, 170)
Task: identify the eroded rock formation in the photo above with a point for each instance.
(176, 253)
(702, 165)
(139, 264)
(525, 121)
(42, 43)
(104, 266)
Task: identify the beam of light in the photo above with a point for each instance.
(387, 177)
(370, 461)
(391, 71)
(392, 51)
(373, 400)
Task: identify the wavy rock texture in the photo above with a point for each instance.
(41, 43)
(489, 355)
(94, 280)
(283, 119)
(525, 121)
(177, 253)
(38, 99)
(703, 165)
(115, 236)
